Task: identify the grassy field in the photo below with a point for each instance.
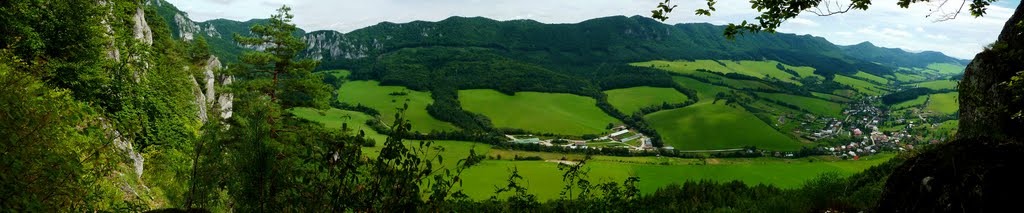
(333, 118)
(451, 151)
(814, 105)
(781, 173)
(706, 92)
(911, 103)
(946, 68)
(372, 94)
(630, 100)
(758, 69)
(541, 112)
(545, 180)
(937, 85)
(834, 98)
(706, 126)
(861, 86)
(903, 77)
(945, 103)
(871, 77)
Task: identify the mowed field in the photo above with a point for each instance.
(759, 69)
(945, 103)
(937, 85)
(630, 100)
(705, 92)
(947, 68)
(545, 180)
(813, 105)
(706, 126)
(871, 77)
(373, 95)
(450, 151)
(860, 85)
(834, 98)
(557, 113)
(911, 103)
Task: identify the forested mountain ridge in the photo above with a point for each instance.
(631, 39)
(898, 57)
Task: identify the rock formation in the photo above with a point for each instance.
(976, 172)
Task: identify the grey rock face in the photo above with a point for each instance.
(141, 30)
(986, 104)
(206, 94)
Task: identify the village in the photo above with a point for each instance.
(861, 132)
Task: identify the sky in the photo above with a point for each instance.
(883, 24)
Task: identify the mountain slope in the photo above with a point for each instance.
(897, 57)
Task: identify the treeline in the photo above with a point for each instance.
(910, 94)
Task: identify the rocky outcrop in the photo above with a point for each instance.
(976, 172)
(986, 104)
(205, 91)
(141, 29)
(966, 175)
(187, 29)
(334, 45)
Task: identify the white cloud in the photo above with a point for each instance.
(803, 21)
(937, 37)
(884, 24)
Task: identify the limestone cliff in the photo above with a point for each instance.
(205, 91)
(986, 104)
(976, 172)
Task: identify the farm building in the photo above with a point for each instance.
(616, 134)
(527, 140)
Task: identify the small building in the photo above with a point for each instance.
(616, 134)
(527, 140)
(857, 132)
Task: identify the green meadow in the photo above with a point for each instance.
(706, 126)
(937, 85)
(372, 94)
(450, 151)
(946, 68)
(813, 105)
(861, 86)
(630, 100)
(920, 100)
(834, 98)
(871, 77)
(558, 113)
(545, 180)
(945, 103)
(759, 69)
(904, 77)
(705, 92)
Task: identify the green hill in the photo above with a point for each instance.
(539, 112)
(707, 126)
(629, 100)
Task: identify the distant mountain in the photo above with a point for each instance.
(218, 32)
(616, 39)
(897, 57)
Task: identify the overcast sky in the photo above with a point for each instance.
(884, 24)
